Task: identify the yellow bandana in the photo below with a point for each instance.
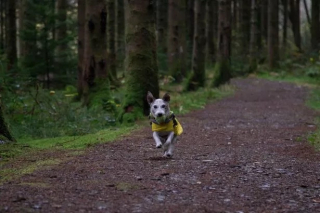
(168, 127)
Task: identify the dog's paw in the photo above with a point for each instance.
(158, 146)
(167, 155)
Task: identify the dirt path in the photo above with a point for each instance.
(246, 153)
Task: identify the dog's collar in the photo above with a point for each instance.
(168, 119)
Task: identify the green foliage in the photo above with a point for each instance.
(42, 61)
(33, 112)
(222, 73)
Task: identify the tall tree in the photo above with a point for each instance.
(120, 26)
(111, 41)
(2, 24)
(264, 20)
(210, 31)
(245, 10)
(61, 29)
(253, 36)
(198, 78)
(5, 134)
(190, 29)
(141, 56)
(96, 84)
(177, 40)
(162, 25)
(285, 23)
(222, 68)
(273, 33)
(294, 16)
(12, 34)
(81, 41)
(315, 23)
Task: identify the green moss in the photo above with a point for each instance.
(123, 186)
(13, 173)
(222, 73)
(35, 185)
(80, 142)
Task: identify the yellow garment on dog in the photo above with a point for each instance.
(168, 127)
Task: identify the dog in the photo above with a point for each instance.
(165, 126)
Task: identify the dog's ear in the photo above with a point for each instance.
(166, 97)
(150, 97)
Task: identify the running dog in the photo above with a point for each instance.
(165, 126)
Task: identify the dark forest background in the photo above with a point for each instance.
(72, 67)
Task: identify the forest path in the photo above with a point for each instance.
(245, 153)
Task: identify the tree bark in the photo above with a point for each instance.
(245, 7)
(210, 32)
(96, 84)
(12, 35)
(294, 16)
(120, 26)
(81, 42)
(177, 40)
(222, 68)
(198, 78)
(141, 56)
(253, 36)
(61, 30)
(2, 28)
(273, 33)
(285, 21)
(315, 23)
(111, 42)
(190, 29)
(4, 131)
(162, 24)
(307, 11)
(264, 20)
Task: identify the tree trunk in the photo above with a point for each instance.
(222, 67)
(162, 25)
(141, 56)
(190, 29)
(12, 34)
(2, 28)
(5, 134)
(210, 32)
(198, 77)
(235, 14)
(177, 40)
(96, 84)
(111, 42)
(253, 36)
(315, 23)
(273, 33)
(61, 29)
(81, 42)
(264, 20)
(245, 7)
(120, 26)
(307, 11)
(285, 21)
(294, 16)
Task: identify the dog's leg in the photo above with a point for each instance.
(157, 139)
(169, 145)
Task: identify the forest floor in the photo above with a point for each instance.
(246, 153)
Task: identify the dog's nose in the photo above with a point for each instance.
(160, 115)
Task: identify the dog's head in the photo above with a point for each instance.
(159, 108)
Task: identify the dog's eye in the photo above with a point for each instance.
(155, 107)
(163, 106)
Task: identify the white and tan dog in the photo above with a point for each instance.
(165, 126)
